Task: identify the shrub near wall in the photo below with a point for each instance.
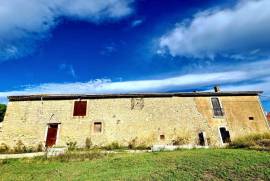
(20, 148)
(252, 141)
(4, 148)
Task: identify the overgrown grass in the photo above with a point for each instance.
(20, 148)
(253, 141)
(77, 156)
(196, 164)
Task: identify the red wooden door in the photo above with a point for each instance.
(51, 135)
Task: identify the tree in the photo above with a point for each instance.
(3, 108)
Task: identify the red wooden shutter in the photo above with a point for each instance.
(80, 108)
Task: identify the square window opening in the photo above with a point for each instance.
(97, 127)
(162, 137)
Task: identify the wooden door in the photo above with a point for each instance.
(51, 135)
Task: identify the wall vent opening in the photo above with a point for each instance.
(162, 137)
(251, 118)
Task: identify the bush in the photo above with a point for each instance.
(30, 149)
(39, 147)
(252, 141)
(112, 146)
(20, 147)
(180, 140)
(142, 146)
(132, 143)
(72, 145)
(4, 148)
(88, 143)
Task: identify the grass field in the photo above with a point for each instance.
(197, 164)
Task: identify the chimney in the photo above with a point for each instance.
(217, 88)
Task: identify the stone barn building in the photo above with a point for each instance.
(197, 118)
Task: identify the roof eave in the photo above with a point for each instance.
(134, 95)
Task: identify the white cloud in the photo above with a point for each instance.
(243, 29)
(231, 80)
(24, 22)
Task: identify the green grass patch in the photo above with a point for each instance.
(195, 164)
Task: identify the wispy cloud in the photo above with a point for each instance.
(239, 31)
(68, 68)
(252, 76)
(136, 22)
(19, 31)
(109, 49)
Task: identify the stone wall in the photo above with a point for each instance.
(237, 110)
(125, 119)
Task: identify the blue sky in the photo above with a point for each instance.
(112, 46)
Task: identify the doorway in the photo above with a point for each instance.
(225, 135)
(51, 134)
(201, 139)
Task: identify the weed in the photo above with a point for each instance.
(39, 147)
(180, 140)
(112, 146)
(88, 143)
(20, 147)
(71, 145)
(132, 143)
(78, 156)
(4, 148)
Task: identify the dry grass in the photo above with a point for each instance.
(253, 141)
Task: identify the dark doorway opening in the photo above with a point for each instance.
(225, 135)
(201, 139)
(51, 135)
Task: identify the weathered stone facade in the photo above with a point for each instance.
(147, 119)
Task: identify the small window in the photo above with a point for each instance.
(218, 111)
(162, 137)
(251, 118)
(97, 127)
(80, 108)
